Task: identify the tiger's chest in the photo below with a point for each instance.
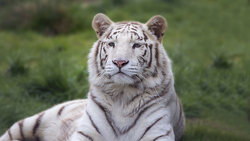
(109, 122)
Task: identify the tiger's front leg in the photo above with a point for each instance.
(159, 134)
(87, 130)
(87, 136)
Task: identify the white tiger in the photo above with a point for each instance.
(131, 97)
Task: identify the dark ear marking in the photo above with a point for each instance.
(157, 25)
(100, 24)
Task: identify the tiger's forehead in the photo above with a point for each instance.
(132, 30)
(128, 26)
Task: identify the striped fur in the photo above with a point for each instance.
(131, 97)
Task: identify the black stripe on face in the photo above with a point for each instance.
(145, 52)
(104, 50)
(109, 36)
(149, 127)
(145, 37)
(157, 55)
(134, 25)
(10, 135)
(136, 34)
(91, 139)
(96, 55)
(102, 61)
(20, 124)
(141, 60)
(92, 122)
(163, 135)
(150, 61)
(37, 124)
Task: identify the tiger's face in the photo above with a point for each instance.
(126, 52)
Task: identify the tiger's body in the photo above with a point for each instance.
(131, 97)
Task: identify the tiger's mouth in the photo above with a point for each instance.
(121, 74)
(121, 77)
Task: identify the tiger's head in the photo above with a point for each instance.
(128, 53)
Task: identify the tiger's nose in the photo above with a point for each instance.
(120, 63)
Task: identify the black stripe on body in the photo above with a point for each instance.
(180, 120)
(132, 125)
(91, 139)
(155, 111)
(138, 117)
(60, 111)
(163, 135)
(37, 124)
(150, 126)
(10, 135)
(165, 90)
(20, 124)
(132, 99)
(37, 138)
(133, 29)
(180, 114)
(92, 122)
(142, 109)
(105, 112)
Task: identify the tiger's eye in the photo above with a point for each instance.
(112, 44)
(136, 45)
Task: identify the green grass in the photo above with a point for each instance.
(207, 40)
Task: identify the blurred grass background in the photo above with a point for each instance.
(44, 46)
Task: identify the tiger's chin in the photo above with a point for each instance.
(122, 79)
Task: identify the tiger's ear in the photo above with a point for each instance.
(157, 25)
(100, 24)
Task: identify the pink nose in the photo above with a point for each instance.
(120, 63)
